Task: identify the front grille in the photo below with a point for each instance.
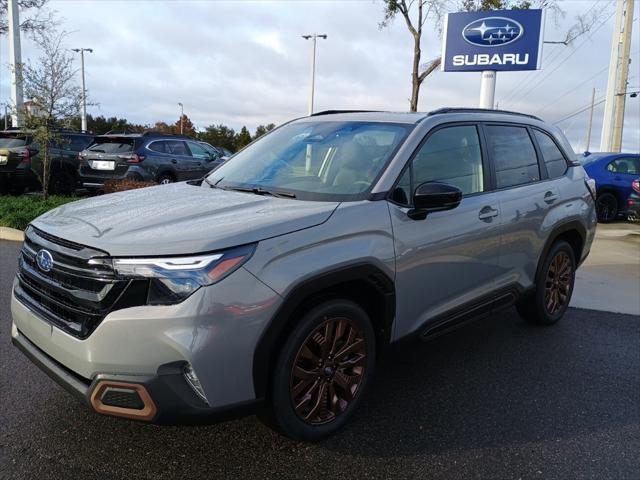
(76, 294)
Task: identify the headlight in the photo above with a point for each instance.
(173, 279)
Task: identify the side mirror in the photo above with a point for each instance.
(434, 197)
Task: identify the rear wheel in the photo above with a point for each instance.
(554, 287)
(166, 179)
(322, 371)
(606, 207)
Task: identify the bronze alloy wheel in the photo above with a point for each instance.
(328, 370)
(558, 283)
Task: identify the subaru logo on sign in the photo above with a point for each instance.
(44, 260)
(492, 31)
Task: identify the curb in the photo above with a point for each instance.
(11, 234)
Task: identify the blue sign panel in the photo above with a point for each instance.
(501, 40)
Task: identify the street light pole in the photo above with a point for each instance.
(313, 38)
(84, 90)
(181, 118)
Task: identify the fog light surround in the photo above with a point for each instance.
(193, 381)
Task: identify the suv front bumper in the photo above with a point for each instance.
(215, 331)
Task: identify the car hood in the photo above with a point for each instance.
(179, 219)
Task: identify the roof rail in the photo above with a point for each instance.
(155, 133)
(479, 110)
(335, 112)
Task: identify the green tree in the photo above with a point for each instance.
(55, 97)
(262, 129)
(219, 136)
(243, 138)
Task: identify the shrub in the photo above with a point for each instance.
(113, 186)
(17, 212)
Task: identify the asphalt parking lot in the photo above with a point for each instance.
(499, 399)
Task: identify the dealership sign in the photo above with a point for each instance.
(500, 40)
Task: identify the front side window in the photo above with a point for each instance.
(450, 155)
(198, 151)
(513, 154)
(625, 166)
(551, 155)
(315, 160)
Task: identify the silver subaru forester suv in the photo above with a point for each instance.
(276, 280)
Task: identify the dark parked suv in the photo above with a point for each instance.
(148, 156)
(21, 165)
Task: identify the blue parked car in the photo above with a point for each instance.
(614, 173)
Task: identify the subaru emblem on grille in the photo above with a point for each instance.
(44, 260)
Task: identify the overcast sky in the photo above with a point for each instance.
(244, 63)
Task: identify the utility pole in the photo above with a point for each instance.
(84, 90)
(588, 140)
(612, 125)
(313, 38)
(15, 61)
(181, 118)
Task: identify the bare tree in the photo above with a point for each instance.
(36, 17)
(54, 96)
(425, 9)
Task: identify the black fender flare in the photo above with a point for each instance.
(573, 225)
(270, 341)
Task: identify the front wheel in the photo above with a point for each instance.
(554, 287)
(322, 371)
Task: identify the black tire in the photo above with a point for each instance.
(165, 179)
(535, 308)
(62, 182)
(332, 410)
(606, 207)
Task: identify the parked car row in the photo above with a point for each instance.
(615, 174)
(84, 160)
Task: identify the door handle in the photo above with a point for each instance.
(487, 213)
(550, 197)
(174, 161)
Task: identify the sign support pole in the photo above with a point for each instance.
(488, 89)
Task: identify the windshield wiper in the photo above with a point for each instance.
(261, 191)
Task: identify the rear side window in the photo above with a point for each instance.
(551, 154)
(513, 154)
(79, 142)
(112, 145)
(157, 147)
(625, 165)
(176, 147)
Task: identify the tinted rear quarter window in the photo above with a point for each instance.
(158, 146)
(551, 154)
(513, 154)
(625, 166)
(112, 145)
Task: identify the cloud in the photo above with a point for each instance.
(245, 63)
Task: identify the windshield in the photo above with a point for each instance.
(333, 161)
